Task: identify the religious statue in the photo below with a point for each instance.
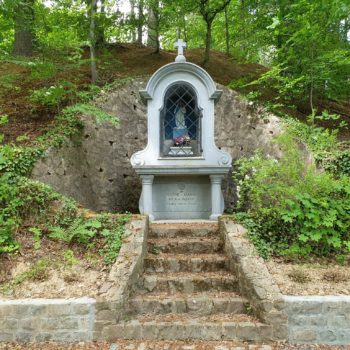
(180, 112)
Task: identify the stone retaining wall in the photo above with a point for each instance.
(312, 319)
(318, 319)
(255, 281)
(94, 167)
(298, 319)
(110, 306)
(27, 320)
(81, 319)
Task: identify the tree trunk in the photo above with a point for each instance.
(207, 43)
(24, 29)
(153, 27)
(346, 29)
(312, 84)
(94, 75)
(100, 33)
(227, 33)
(243, 26)
(185, 28)
(140, 23)
(132, 19)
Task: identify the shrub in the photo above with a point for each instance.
(299, 210)
(329, 153)
(55, 95)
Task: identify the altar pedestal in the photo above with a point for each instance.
(182, 193)
(180, 151)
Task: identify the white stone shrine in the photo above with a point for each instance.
(181, 168)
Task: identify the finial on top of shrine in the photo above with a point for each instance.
(180, 45)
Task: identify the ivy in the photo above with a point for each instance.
(20, 197)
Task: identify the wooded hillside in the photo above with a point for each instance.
(291, 56)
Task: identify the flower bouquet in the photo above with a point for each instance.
(182, 141)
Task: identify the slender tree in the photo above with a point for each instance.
(243, 26)
(94, 75)
(209, 9)
(227, 32)
(24, 28)
(153, 26)
(100, 24)
(133, 20)
(140, 21)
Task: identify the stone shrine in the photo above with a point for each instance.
(181, 168)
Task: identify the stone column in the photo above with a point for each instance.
(147, 182)
(216, 196)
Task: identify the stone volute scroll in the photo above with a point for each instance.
(181, 168)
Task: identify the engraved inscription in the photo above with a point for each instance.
(181, 199)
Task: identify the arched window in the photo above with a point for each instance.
(180, 123)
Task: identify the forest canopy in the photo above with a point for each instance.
(305, 42)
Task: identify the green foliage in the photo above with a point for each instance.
(313, 52)
(113, 234)
(253, 95)
(8, 221)
(54, 95)
(69, 260)
(254, 230)
(298, 210)
(37, 272)
(84, 231)
(6, 33)
(241, 82)
(326, 116)
(329, 153)
(341, 162)
(66, 125)
(79, 230)
(7, 82)
(320, 220)
(4, 119)
(21, 198)
(287, 86)
(42, 69)
(37, 236)
(54, 215)
(89, 109)
(317, 138)
(17, 161)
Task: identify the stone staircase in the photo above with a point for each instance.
(187, 290)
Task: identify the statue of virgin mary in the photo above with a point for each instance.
(180, 112)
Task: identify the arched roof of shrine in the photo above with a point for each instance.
(187, 67)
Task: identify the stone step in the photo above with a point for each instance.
(195, 304)
(173, 230)
(175, 326)
(190, 282)
(185, 245)
(185, 262)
